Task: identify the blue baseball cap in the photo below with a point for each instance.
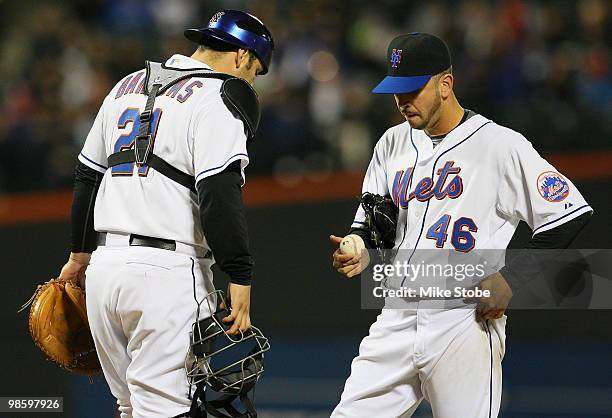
(411, 61)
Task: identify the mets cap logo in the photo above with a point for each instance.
(396, 57)
(553, 186)
(216, 17)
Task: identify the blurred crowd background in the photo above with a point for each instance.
(540, 67)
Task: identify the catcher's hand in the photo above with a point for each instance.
(239, 299)
(58, 325)
(74, 269)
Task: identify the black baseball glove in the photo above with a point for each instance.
(381, 219)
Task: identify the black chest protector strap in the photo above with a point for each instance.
(157, 80)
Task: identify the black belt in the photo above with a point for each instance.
(143, 241)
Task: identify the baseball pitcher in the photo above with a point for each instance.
(460, 182)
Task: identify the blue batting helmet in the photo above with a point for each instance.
(239, 29)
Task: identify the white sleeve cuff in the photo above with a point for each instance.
(358, 224)
(560, 220)
(92, 164)
(216, 170)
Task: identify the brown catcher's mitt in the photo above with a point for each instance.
(58, 325)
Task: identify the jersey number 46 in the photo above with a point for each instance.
(462, 238)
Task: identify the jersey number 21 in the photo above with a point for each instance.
(126, 141)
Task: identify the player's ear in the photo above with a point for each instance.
(445, 84)
(242, 56)
(237, 59)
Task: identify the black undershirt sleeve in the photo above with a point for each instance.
(224, 223)
(86, 184)
(529, 264)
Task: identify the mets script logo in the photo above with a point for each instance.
(396, 57)
(216, 17)
(552, 186)
(447, 184)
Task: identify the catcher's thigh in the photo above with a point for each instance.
(140, 304)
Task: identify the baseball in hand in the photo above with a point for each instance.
(352, 245)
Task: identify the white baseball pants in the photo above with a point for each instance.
(443, 356)
(141, 305)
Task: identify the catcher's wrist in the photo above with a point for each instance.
(81, 258)
(241, 282)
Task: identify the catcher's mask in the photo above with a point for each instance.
(228, 364)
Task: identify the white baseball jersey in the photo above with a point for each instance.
(470, 191)
(192, 130)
